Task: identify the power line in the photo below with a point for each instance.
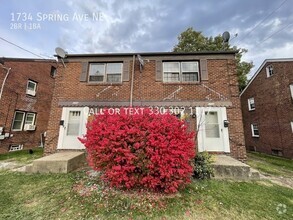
(265, 18)
(22, 48)
(278, 31)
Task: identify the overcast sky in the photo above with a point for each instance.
(264, 27)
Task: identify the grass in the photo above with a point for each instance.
(79, 196)
(271, 164)
(22, 156)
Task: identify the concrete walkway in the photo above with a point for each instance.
(226, 167)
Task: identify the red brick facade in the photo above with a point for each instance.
(217, 86)
(14, 98)
(273, 112)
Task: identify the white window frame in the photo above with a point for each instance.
(291, 90)
(105, 74)
(34, 118)
(181, 72)
(29, 91)
(250, 100)
(269, 71)
(253, 129)
(15, 147)
(292, 126)
(22, 121)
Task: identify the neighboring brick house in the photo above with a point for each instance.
(204, 83)
(267, 107)
(25, 102)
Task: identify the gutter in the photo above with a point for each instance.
(132, 79)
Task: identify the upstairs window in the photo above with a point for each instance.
(53, 72)
(251, 105)
(270, 70)
(105, 72)
(31, 88)
(254, 130)
(180, 71)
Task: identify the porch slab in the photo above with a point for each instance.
(61, 162)
(226, 167)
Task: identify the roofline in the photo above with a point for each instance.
(152, 54)
(6, 59)
(261, 67)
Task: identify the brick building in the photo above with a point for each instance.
(267, 108)
(24, 102)
(202, 86)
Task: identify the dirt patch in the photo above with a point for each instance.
(279, 180)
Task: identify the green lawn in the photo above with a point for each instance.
(271, 164)
(78, 196)
(22, 156)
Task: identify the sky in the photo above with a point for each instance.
(263, 27)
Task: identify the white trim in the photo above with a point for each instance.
(261, 67)
(292, 126)
(181, 72)
(22, 121)
(252, 130)
(31, 92)
(34, 118)
(84, 117)
(105, 74)
(249, 104)
(291, 90)
(270, 70)
(200, 130)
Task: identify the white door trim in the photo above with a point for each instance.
(64, 116)
(224, 146)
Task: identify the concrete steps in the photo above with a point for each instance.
(61, 162)
(226, 167)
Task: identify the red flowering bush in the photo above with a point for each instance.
(148, 150)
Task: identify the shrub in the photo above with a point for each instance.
(203, 166)
(140, 150)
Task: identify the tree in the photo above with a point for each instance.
(192, 41)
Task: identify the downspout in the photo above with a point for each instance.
(7, 73)
(132, 80)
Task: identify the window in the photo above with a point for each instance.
(73, 123)
(291, 90)
(105, 72)
(53, 71)
(251, 105)
(15, 147)
(270, 70)
(254, 130)
(292, 126)
(21, 119)
(31, 88)
(18, 121)
(30, 118)
(212, 128)
(180, 71)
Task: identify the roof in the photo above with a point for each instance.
(262, 66)
(11, 59)
(153, 53)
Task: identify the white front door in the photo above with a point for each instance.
(74, 126)
(211, 134)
